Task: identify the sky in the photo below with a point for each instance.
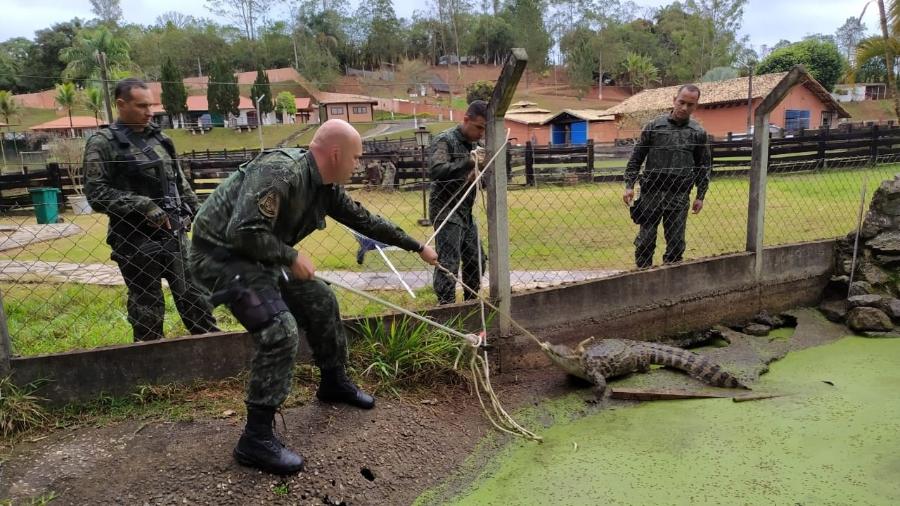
(765, 21)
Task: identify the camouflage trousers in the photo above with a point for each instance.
(672, 211)
(312, 307)
(144, 267)
(457, 246)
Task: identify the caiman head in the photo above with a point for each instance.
(569, 359)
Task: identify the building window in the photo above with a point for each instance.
(827, 119)
(795, 120)
(360, 110)
(337, 110)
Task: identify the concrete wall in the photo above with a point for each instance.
(639, 305)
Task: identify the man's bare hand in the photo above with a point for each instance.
(628, 196)
(698, 206)
(479, 156)
(303, 268)
(429, 255)
(159, 219)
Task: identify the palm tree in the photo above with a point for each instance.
(93, 101)
(8, 106)
(641, 70)
(81, 58)
(886, 46)
(67, 97)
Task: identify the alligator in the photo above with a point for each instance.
(596, 360)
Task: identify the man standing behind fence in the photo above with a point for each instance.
(676, 150)
(452, 158)
(132, 176)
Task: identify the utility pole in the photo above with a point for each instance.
(104, 80)
(750, 99)
(199, 70)
(600, 79)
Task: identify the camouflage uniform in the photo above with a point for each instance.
(129, 185)
(245, 232)
(449, 165)
(678, 158)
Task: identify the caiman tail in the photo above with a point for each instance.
(693, 364)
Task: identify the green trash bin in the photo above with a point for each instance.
(46, 207)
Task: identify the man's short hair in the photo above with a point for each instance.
(478, 108)
(124, 87)
(690, 88)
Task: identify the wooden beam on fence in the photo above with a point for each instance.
(497, 213)
(759, 162)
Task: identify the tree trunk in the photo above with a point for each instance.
(889, 60)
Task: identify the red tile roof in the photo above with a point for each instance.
(197, 103)
(63, 123)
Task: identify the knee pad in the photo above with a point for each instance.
(256, 310)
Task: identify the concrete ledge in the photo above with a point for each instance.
(637, 305)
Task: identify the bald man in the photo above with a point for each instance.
(243, 252)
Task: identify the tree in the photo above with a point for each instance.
(848, 36)
(222, 94)
(246, 14)
(8, 107)
(93, 101)
(822, 60)
(108, 11)
(530, 32)
(81, 58)
(13, 61)
(66, 97)
(479, 90)
(887, 46)
(174, 94)
(641, 70)
(261, 88)
(725, 17)
(286, 105)
(43, 63)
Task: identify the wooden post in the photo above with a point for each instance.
(759, 163)
(873, 147)
(590, 159)
(498, 222)
(529, 164)
(823, 137)
(5, 344)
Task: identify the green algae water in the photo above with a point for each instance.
(818, 445)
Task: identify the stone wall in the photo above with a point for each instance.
(868, 302)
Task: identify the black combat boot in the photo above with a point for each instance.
(337, 387)
(259, 448)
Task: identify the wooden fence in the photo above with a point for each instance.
(808, 150)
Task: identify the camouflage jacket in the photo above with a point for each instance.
(269, 204)
(449, 164)
(124, 182)
(677, 157)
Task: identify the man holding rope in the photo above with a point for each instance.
(243, 253)
(454, 159)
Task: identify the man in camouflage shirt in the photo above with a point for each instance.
(452, 158)
(132, 176)
(243, 251)
(676, 150)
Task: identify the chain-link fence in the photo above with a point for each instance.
(62, 290)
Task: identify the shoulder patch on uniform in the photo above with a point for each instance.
(269, 203)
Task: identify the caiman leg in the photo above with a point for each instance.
(601, 389)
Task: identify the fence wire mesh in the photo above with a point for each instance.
(62, 290)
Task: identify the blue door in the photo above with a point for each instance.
(579, 132)
(559, 134)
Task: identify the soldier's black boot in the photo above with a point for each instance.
(337, 387)
(259, 448)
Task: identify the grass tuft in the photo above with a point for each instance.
(20, 409)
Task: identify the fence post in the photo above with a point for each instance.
(497, 208)
(529, 163)
(590, 159)
(508, 164)
(823, 137)
(730, 136)
(759, 163)
(873, 148)
(5, 344)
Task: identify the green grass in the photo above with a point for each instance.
(20, 408)
(226, 138)
(552, 227)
